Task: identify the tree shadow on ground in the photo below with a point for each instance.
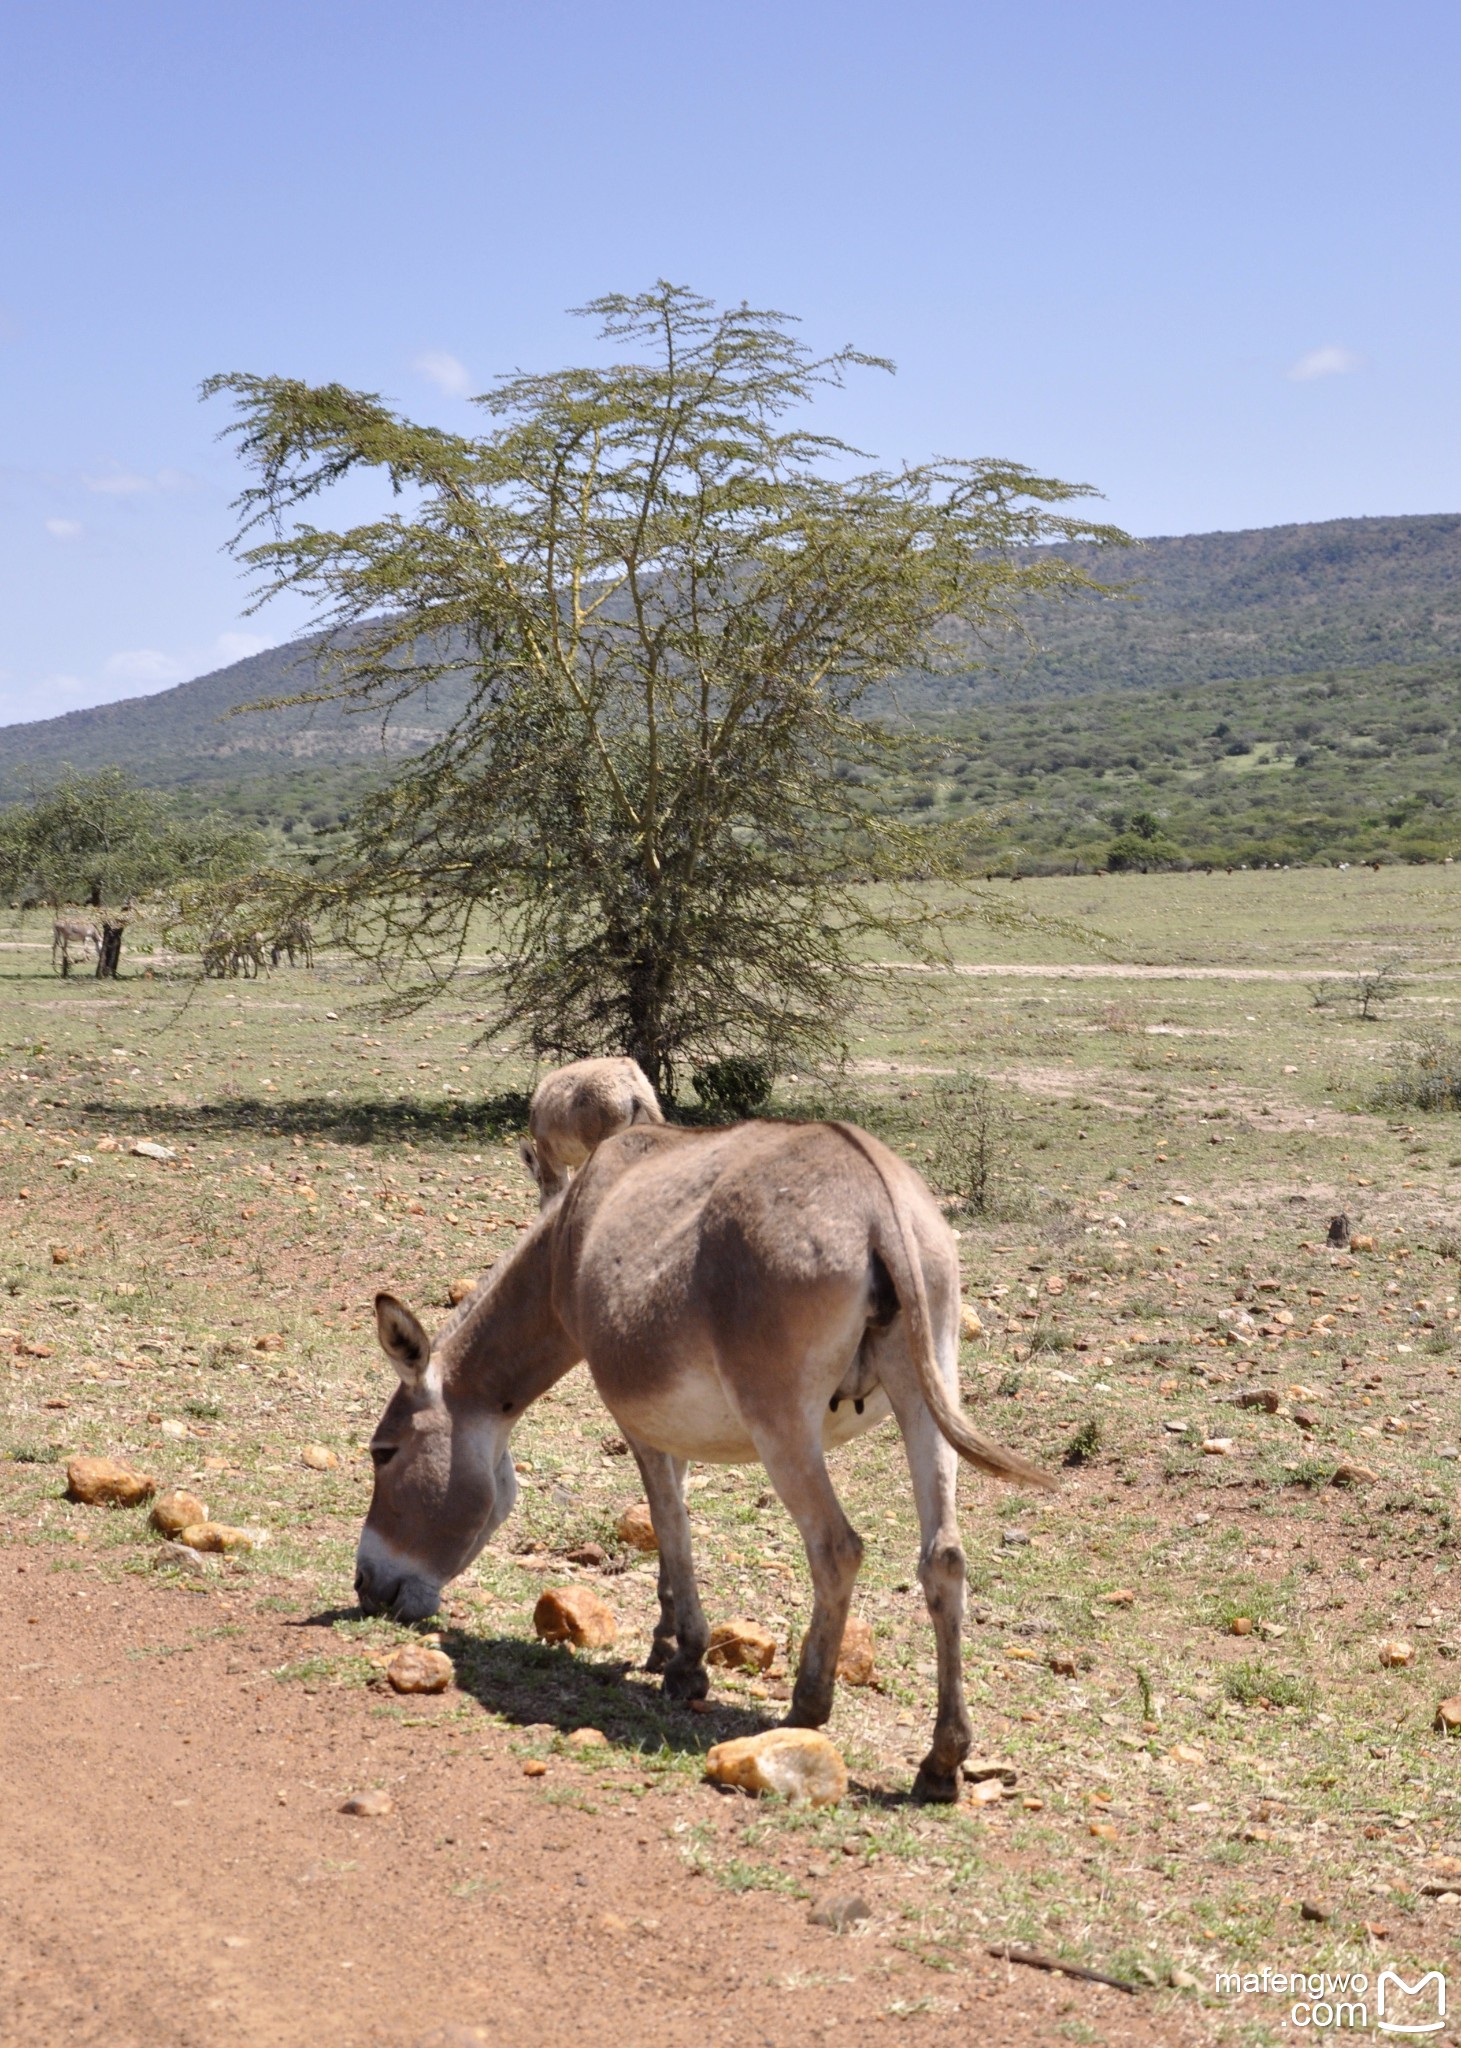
(346, 1123)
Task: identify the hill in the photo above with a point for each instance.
(1276, 601)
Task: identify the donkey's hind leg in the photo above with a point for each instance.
(934, 1466)
(681, 1635)
(798, 1471)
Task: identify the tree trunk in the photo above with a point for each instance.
(109, 953)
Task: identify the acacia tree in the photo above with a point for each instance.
(101, 840)
(660, 606)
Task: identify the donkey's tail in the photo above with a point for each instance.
(899, 1253)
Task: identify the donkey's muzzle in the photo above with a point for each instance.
(403, 1598)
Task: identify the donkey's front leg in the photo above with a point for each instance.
(681, 1634)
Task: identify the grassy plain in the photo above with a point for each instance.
(1178, 1124)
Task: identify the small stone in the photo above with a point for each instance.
(319, 1458)
(457, 1293)
(1014, 1539)
(1217, 1447)
(1105, 1831)
(103, 1483)
(1122, 1597)
(221, 1537)
(636, 1528)
(417, 1669)
(180, 1557)
(369, 1805)
(741, 1645)
(1396, 1653)
(841, 1912)
(535, 1768)
(175, 1432)
(588, 1738)
(1186, 1753)
(797, 1763)
(1265, 1398)
(176, 1510)
(60, 1255)
(1241, 1625)
(1315, 1909)
(1182, 1980)
(987, 1792)
(591, 1554)
(980, 1770)
(574, 1614)
(146, 1149)
(970, 1326)
(1055, 1283)
(1305, 1418)
(1361, 1241)
(1064, 1664)
(1448, 1716)
(857, 1659)
(270, 1341)
(1346, 1473)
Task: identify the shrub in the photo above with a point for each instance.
(1425, 1073)
(734, 1088)
(968, 1143)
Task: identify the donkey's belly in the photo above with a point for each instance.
(694, 1418)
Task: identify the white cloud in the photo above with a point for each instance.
(446, 372)
(148, 666)
(1330, 361)
(127, 483)
(65, 529)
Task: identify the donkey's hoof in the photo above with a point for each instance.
(933, 1787)
(661, 1650)
(686, 1682)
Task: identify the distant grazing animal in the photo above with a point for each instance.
(292, 937)
(67, 932)
(575, 1109)
(764, 1292)
(227, 955)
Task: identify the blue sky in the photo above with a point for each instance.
(1205, 258)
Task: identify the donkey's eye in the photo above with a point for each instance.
(381, 1454)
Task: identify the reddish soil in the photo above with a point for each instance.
(175, 1871)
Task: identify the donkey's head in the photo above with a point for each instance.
(444, 1477)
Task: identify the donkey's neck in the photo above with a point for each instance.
(509, 1345)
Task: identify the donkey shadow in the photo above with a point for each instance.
(543, 1687)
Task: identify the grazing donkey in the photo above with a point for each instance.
(67, 932)
(762, 1292)
(575, 1109)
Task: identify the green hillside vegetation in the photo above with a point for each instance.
(1351, 764)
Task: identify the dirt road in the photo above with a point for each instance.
(175, 1871)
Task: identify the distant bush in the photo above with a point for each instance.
(734, 1088)
(968, 1143)
(1425, 1073)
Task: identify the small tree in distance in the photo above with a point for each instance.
(101, 841)
(662, 608)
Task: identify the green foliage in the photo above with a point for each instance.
(1425, 1073)
(660, 607)
(1253, 1683)
(1084, 1445)
(103, 841)
(735, 1088)
(968, 1148)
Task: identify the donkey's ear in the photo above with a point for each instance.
(402, 1339)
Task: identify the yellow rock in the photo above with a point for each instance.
(1395, 1653)
(459, 1290)
(636, 1528)
(176, 1510)
(220, 1536)
(741, 1645)
(319, 1457)
(588, 1738)
(577, 1615)
(856, 1661)
(417, 1669)
(103, 1483)
(969, 1323)
(800, 1765)
(1448, 1715)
